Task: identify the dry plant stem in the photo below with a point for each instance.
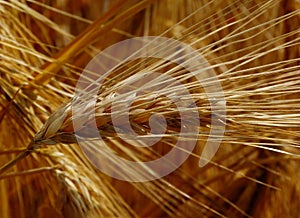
(12, 151)
(8, 105)
(28, 172)
(99, 27)
(19, 157)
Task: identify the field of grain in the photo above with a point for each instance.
(253, 48)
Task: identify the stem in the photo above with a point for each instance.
(11, 163)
